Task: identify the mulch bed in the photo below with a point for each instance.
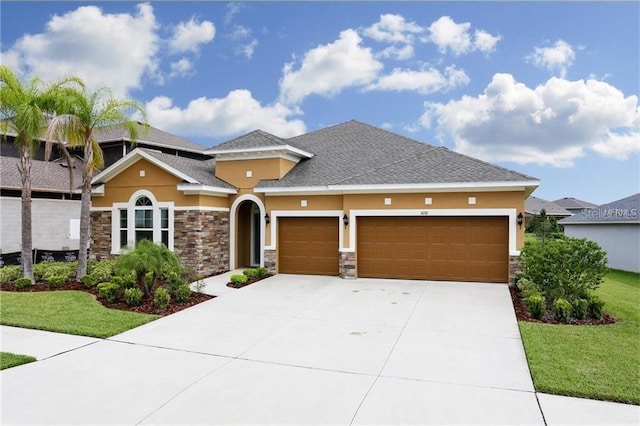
(249, 281)
(146, 306)
(522, 313)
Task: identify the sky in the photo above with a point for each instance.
(549, 89)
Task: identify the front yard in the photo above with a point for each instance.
(600, 362)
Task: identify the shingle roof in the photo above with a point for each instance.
(623, 210)
(534, 205)
(573, 203)
(52, 176)
(355, 153)
(255, 139)
(147, 135)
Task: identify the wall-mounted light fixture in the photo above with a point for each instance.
(520, 219)
(345, 220)
(267, 219)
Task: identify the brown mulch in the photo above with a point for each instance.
(522, 313)
(146, 306)
(250, 281)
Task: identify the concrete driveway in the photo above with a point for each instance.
(296, 350)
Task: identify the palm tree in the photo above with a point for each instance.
(24, 109)
(84, 112)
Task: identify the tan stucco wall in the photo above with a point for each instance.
(162, 184)
(235, 171)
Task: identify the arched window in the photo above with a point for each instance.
(142, 218)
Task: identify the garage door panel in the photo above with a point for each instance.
(437, 248)
(308, 245)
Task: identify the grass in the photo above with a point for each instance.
(599, 362)
(8, 360)
(71, 312)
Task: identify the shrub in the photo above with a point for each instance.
(595, 307)
(148, 258)
(561, 309)
(174, 280)
(161, 299)
(262, 272)
(44, 270)
(88, 281)
(238, 279)
(133, 296)
(579, 308)
(527, 287)
(250, 273)
(182, 293)
(10, 273)
(55, 281)
(109, 291)
(536, 304)
(117, 280)
(129, 280)
(102, 271)
(22, 283)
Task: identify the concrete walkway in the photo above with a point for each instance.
(299, 350)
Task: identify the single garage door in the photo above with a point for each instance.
(434, 248)
(308, 245)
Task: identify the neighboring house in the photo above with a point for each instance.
(615, 227)
(55, 211)
(349, 200)
(573, 204)
(534, 205)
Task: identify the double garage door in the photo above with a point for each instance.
(431, 248)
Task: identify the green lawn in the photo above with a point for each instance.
(8, 360)
(71, 312)
(600, 362)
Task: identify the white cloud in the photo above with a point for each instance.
(115, 50)
(232, 10)
(558, 57)
(188, 36)
(236, 113)
(181, 68)
(245, 44)
(399, 53)
(554, 123)
(425, 81)
(328, 69)
(393, 29)
(449, 35)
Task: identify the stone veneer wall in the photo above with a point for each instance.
(515, 264)
(270, 257)
(201, 239)
(100, 242)
(347, 265)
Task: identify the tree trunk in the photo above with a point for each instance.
(85, 212)
(27, 237)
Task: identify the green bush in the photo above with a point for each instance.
(10, 273)
(174, 280)
(22, 283)
(527, 287)
(579, 308)
(128, 280)
(238, 279)
(109, 291)
(42, 271)
(133, 296)
(55, 281)
(251, 274)
(568, 268)
(148, 258)
(102, 271)
(595, 307)
(182, 293)
(536, 304)
(161, 299)
(262, 272)
(88, 281)
(117, 280)
(561, 309)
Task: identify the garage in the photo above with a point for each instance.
(434, 248)
(308, 245)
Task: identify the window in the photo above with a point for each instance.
(164, 226)
(122, 213)
(144, 219)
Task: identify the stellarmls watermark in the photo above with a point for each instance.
(609, 213)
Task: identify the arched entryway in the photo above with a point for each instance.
(247, 232)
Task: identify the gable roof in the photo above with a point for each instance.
(356, 154)
(255, 142)
(534, 205)
(147, 135)
(625, 210)
(46, 176)
(574, 203)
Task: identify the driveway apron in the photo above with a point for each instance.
(297, 350)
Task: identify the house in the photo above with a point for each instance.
(55, 209)
(349, 200)
(573, 204)
(615, 227)
(534, 205)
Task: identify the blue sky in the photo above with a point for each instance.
(548, 89)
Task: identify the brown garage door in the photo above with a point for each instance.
(434, 248)
(308, 245)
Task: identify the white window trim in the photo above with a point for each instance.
(130, 207)
(510, 213)
(275, 214)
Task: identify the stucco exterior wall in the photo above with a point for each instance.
(620, 241)
(51, 227)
